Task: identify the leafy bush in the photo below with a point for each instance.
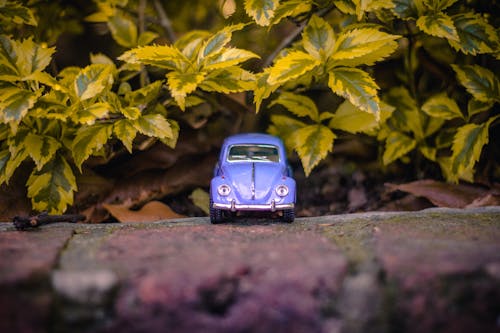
(413, 75)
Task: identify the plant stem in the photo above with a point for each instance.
(165, 21)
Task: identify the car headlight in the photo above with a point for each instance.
(282, 190)
(223, 190)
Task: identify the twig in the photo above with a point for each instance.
(28, 222)
(165, 21)
(144, 79)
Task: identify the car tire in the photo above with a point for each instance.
(216, 216)
(288, 215)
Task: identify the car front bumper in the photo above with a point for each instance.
(272, 207)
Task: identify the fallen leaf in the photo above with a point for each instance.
(150, 212)
(442, 194)
(201, 200)
(487, 200)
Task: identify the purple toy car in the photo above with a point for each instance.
(252, 174)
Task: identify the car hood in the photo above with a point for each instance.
(263, 176)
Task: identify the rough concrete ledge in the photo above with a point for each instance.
(436, 270)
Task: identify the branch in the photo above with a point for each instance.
(27, 222)
(165, 21)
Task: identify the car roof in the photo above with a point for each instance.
(253, 138)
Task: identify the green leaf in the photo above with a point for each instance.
(228, 57)
(291, 66)
(318, 38)
(131, 112)
(154, 125)
(181, 84)
(467, 146)
(479, 82)
(406, 117)
(163, 56)
(365, 6)
(51, 189)
(476, 36)
(299, 105)
(285, 127)
(363, 46)
(429, 153)
(126, 132)
(41, 148)
(123, 29)
(15, 103)
(357, 86)
(439, 25)
(396, 146)
(229, 80)
(313, 143)
(441, 106)
(89, 140)
(92, 80)
(215, 44)
(262, 11)
(431, 125)
(11, 163)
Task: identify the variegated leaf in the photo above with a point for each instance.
(51, 188)
(357, 86)
(397, 145)
(171, 141)
(126, 132)
(15, 103)
(8, 57)
(41, 148)
(439, 25)
(291, 8)
(144, 95)
(291, 66)
(123, 29)
(407, 116)
(407, 9)
(363, 46)
(312, 144)
(441, 106)
(263, 89)
(154, 125)
(479, 82)
(229, 80)
(476, 35)
(474, 106)
(88, 114)
(467, 146)
(216, 43)
(17, 13)
(285, 127)
(228, 57)
(89, 140)
(163, 56)
(92, 80)
(318, 38)
(351, 119)
(262, 11)
(182, 84)
(31, 57)
(299, 105)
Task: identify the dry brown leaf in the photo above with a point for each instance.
(442, 194)
(150, 212)
(487, 200)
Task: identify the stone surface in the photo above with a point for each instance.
(430, 271)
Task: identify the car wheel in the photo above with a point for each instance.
(288, 215)
(215, 214)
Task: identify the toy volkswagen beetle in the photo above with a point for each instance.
(252, 174)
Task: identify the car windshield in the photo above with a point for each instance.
(252, 153)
